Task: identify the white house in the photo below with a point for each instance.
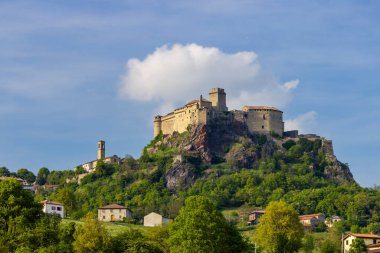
(369, 239)
(154, 219)
(331, 220)
(53, 207)
(113, 212)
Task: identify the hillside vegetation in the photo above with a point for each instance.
(234, 168)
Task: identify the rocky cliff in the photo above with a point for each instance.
(228, 142)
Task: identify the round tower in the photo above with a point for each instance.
(101, 149)
(157, 125)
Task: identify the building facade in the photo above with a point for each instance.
(259, 119)
(372, 241)
(154, 219)
(53, 207)
(114, 212)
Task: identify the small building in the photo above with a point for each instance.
(53, 207)
(113, 212)
(309, 221)
(254, 217)
(331, 220)
(372, 241)
(154, 219)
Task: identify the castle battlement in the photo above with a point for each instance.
(259, 119)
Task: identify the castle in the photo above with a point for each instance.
(258, 119)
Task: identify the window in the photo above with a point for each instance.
(59, 208)
(262, 127)
(111, 211)
(104, 217)
(53, 208)
(347, 242)
(263, 116)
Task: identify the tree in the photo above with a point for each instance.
(18, 213)
(67, 197)
(200, 227)
(358, 246)
(91, 237)
(308, 243)
(42, 176)
(26, 175)
(4, 172)
(329, 246)
(279, 229)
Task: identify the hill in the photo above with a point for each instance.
(231, 166)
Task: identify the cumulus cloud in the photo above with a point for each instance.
(304, 123)
(179, 73)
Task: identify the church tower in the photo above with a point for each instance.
(101, 149)
(218, 99)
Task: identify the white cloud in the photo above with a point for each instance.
(179, 73)
(291, 85)
(304, 123)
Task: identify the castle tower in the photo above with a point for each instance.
(101, 149)
(218, 99)
(157, 124)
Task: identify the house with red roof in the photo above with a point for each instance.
(114, 212)
(372, 241)
(53, 207)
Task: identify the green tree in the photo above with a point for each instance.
(358, 246)
(279, 229)
(18, 213)
(4, 172)
(26, 175)
(329, 246)
(308, 243)
(67, 197)
(66, 238)
(91, 237)
(200, 227)
(42, 176)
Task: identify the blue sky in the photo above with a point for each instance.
(68, 72)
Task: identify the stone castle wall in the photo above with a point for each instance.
(259, 119)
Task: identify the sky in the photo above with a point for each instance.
(74, 72)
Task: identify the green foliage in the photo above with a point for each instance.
(4, 172)
(329, 246)
(357, 246)
(26, 175)
(288, 144)
(279, 229)
(308, 243)
(133, 241)
(42, 176)
(200, 227)
(91, 236)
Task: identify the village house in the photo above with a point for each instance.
(332, 220)
(309, 221)
(53, 207)
(254, 217)
(372, 242)
(154, 219)
(113, 212)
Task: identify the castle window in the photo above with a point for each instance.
(263, 116)
(262, 127)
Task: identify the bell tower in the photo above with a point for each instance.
(101, 149)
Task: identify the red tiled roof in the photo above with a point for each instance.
(365, 236)
(309, 216)
(51, 202)
(113, 206)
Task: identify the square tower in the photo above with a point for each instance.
(218, 99)
(101, 149)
